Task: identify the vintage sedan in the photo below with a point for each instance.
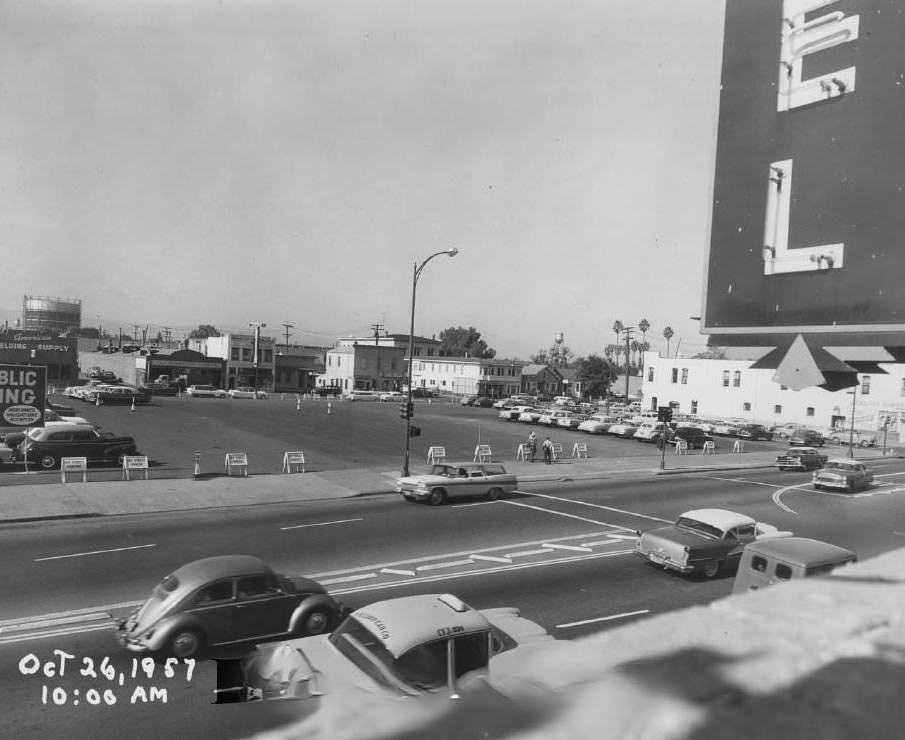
(530, 416)
(623, 429)
(703, 541)
(49, 444)
(806, 438)
(801, 458)
(394, 396)
(512, 413)
(205, 391)
(754, 432)
(843, 474)
(123, 395)
(404, 648)
(596, 424)
(224, 601)
(246, 391)
(457, 480)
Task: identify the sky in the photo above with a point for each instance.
(185, 162)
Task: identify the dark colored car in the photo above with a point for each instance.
(754, 432)
(61, 409)
(119, 394)
(807, 438)
(47, 445)
(483, 402)
(694, 437)
(424, 393)
(222, 601)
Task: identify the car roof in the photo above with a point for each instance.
(719, 517)
(802, 551)
(406, 622)
(220, 566)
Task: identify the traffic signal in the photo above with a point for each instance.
(664, 413)
(406, 409)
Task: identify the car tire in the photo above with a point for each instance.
(711, 569)
(494, 493)
(818, 487)
(316, 622)
(437, 497)
(186, 643)
(48, 462)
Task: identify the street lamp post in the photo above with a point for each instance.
(851, 426)
(416, 273)
(257, 326)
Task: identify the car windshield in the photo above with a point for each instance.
(698, 527)
(447, 471)
(840, 466)
(356, 643)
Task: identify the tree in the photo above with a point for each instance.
(539, 357)
(204, 331)
(711, 353)
(635, 346)
(618, 326)
(596, 374)
(462, 342)
(668, 333)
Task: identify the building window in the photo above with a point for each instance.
(865, 385)
(675, 375)
(746, 406)
(246, 354)
(737, 379)
(650, 378)
(234, 353)
(809, 411)
(684, 376)
(268, 355)
(777, 409)
(725, 378)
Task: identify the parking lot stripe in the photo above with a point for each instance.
(602, 619)
(449, 564)
(92, 552)
(576, 548)
(398, 572)
(348, 579)
(322, 524)
(559, 513)
(492, 558)
(525, 553)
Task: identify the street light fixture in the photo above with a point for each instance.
(416, 273)
(257, 326)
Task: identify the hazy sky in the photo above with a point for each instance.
(178, 162)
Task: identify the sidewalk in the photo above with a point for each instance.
(58, 500)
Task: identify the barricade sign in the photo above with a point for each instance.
(237, 460)
(557, 451)
(74, 465)
(739, 446)
(436, 454)
(709, 448)
(291, 459)
(681, 447)
(196, 457)
(523, 452)
(482, 453)
(580, 449)
(134, 462)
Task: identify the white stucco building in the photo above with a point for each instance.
(731, 389)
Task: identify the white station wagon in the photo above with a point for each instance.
(456, 480)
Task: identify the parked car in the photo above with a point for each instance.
(596, 424)
(858, 437)
(118, 394)
(783, 559)
(225, 600)
(727, 427)
(785, 431)
(703, 541)
(843, 474)
(551, 416)
(246, 391)
(363, 395)
(60, 408)
(483, 402)
(205, 391)
(394, 396)
(47, 445)
(801, 458)
(754, 432)
(622, 429)
(14, 438)
(468, 400)
(457, 480)
(807, 438)
(395, 649)
(512, 413)
(531, 416)
(424, 393)
(694, 437)
(649, 431)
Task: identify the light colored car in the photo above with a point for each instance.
(551, 416)
(649, 431)
(363, 395)
(530, 416)
(393, 396)
(456, 480)
(622, 429)
(225, 600)
(205, 391)
(843, 474)
(801, 458)
(513, 412)
(246, 391)
(702, 541)
(596, 424)
(401, 648)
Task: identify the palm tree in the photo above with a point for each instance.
(668, 334)
(643, 326)
(635, 346)
(617, 330)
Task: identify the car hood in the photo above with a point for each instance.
(414, 480)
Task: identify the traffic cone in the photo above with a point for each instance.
(329, 408)
(97, 400)
(133, 404)
(298, 404)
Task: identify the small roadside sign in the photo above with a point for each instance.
(23, 391)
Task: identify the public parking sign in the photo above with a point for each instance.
(23, 391)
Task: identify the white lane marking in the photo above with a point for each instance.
(52, 633)
(576, 548)
(479, 572)
(602, 619)
(492, 558)
(93, 552)
(559, 513)
(347, 579)
(597, 506)
(608, 541)
(525, 553)
(37, 624)
(74, 612)
(741, 480)
(473, 503)
(321, 524)
(449, 564)
(777, 495)
(398, 572)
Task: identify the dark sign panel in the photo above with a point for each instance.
(23, 391)
(809, 190)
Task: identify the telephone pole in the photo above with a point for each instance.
(287, 326)
(376, 328)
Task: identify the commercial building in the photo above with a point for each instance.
(59, 355)
(464, 376)
(183, 367)
(244, 367)
(297, 367)
(372, 363)
(51, 315)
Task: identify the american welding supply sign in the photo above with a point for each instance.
(23, 391)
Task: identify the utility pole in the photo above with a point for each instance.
(257, 326)
(376, 329)
(287, 326)
(627, 330)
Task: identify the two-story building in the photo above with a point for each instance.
(297, 367)
(237, 351)
(463, 376)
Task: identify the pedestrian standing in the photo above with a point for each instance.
(548, 450)
(532, 445)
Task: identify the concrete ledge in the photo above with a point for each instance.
(819, 658)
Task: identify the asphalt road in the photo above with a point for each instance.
(579, 579)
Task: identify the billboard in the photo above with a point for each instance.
(23, 390)
(809, 191)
